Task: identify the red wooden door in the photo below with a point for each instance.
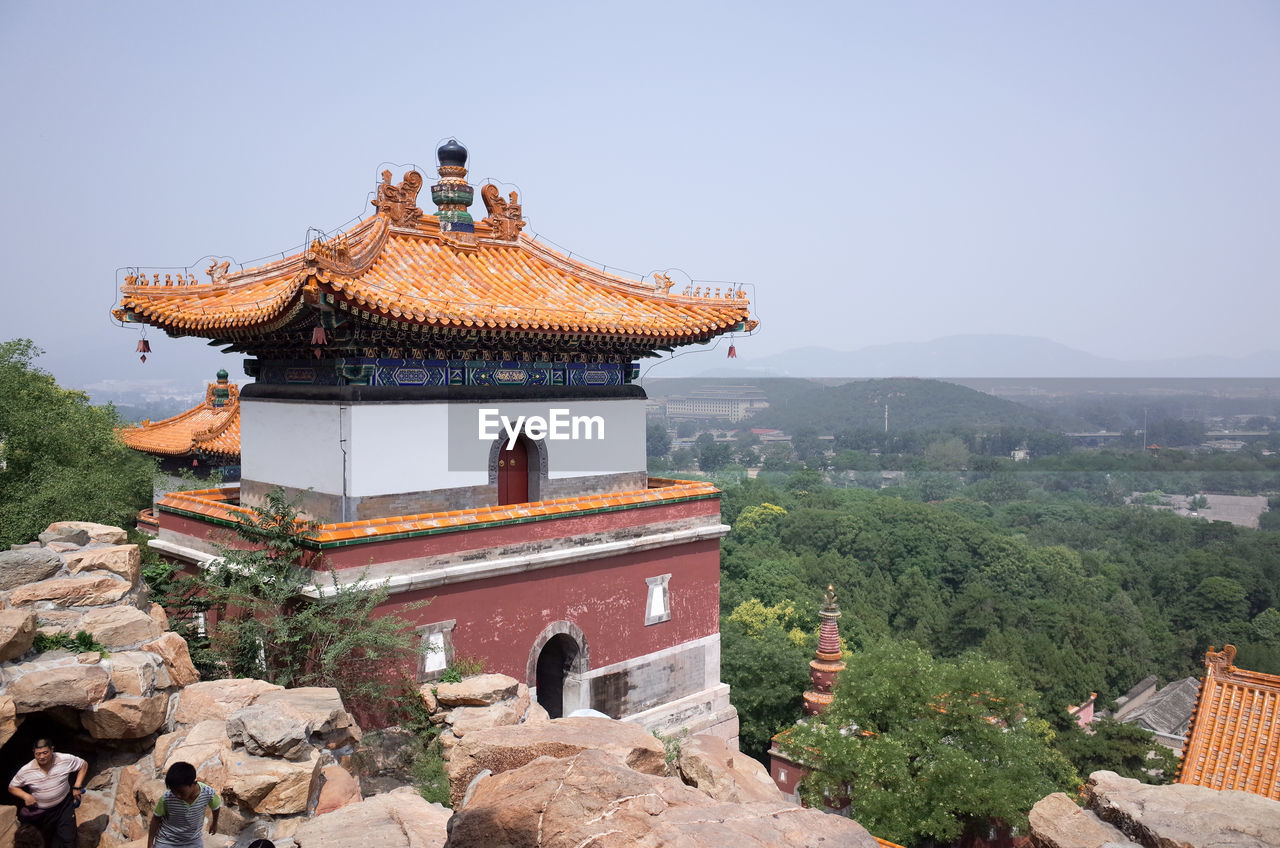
(513, 474)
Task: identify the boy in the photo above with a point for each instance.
(180, 811)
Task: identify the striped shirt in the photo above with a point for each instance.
(48, 787)
(180, 822)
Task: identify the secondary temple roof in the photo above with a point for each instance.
(1234, 741)
(417, 275)
(211, 429)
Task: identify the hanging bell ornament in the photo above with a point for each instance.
(733, 352)
(318, 337)
(144, 346)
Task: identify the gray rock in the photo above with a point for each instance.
(1180, 814)
(1056, 822)
(65, 534)
(27, 565)
(271, 730)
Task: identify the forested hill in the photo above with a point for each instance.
(914, 404)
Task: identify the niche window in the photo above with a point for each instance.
(436, 649)
(657, 607)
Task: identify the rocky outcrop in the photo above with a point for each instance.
(502, 749)
(398, 819)
(591, 798)
(478, 703)
(1121, 811)
(139, 708)
(707, 763)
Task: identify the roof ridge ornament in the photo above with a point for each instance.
(505, 216)
(452, 195)
(1220, 662)
(399, 203)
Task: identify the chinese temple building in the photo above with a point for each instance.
(207, 435)
(1234, 741)
(453, 402)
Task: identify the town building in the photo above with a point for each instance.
(453, 402)
(1165, 712)
(717, 403)
(1234, 740)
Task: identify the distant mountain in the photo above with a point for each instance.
(914, 404)
(965, 356)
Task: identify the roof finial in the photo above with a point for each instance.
(452, 195)
(828, 659)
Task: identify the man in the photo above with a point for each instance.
(49, 793)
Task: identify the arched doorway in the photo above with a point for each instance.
(554, 663)
(513, 473)
(558, 659)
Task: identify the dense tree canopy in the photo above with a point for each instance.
(924, 749)
(60, 459)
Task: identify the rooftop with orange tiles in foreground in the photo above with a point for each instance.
(407, 274)
(1234, 741)
(205, 430)
(221, 506)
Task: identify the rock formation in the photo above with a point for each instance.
(1120, 812)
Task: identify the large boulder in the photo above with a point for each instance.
(271, 730)
(322, 708)
(503, 748)
(340, 789)
(17, 632)
(1058, 822)
(272, 787)
(592, 799)
(464, 720)
(398, 819)
(126, 717)
(97, 532)
(218, 699)
(84, 591)
(118, 627)
(1181, 814)
(124, 560)
(77, 686)
(707, 763)
(479, 691)
(137, 673)
(172, 648)
(27, 565)
(67, 535)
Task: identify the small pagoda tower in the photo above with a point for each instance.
(453, 403)
(826, 665)
(828, 659)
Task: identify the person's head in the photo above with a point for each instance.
(42, 749)
(262, 843)
(180, 776)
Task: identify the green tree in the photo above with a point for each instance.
(767, 669)
(657, 440)
(1126, 749)
(283, 619)
(714, 455)
(923, 749)
(60, 459)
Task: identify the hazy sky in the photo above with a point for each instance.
(1102, 174)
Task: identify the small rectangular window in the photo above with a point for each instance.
(657, 606)
(435, 649)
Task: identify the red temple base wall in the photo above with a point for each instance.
(500, 619)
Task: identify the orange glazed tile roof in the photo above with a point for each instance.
(1234, 741)
(205, 429)
(410, 275)
(219, 505)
